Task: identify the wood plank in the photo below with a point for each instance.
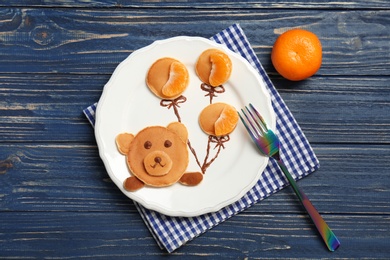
(340, 109)
(94, 41)
(286, 4)
(41, 107)
(56, 199)
(47, 107)
(50, 177)
(123, 235)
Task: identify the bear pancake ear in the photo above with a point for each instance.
(180, 129)
(123, 142)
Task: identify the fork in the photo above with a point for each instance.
(269, 145)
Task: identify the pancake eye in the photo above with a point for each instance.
(148, 144)
(167, 143)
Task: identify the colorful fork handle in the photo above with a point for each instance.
(326, 233)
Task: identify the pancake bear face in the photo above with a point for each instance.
(157, 156)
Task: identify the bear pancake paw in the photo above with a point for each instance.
(191, 178)
(132, 184)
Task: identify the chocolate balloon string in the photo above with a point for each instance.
(212, 90)
(219, 143)
(219, 140)
(175, 103)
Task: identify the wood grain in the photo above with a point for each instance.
(117, 235)
(65, 41)
(48, 108)
(286, 4)
(56, 199)
(52, 177)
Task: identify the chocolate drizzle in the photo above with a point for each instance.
(212, 90)
(194, 153)
(219, 144)
(175, 103)
(219, 141)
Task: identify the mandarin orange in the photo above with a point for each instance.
(167, 78)
(218, 119)
(178, 80)
(297, 54)
(221, 68)
(213, 67)
(226, 122)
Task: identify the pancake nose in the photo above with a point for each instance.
(157, 159)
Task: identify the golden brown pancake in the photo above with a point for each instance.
(157, 156)
(213, 67)
(167, 78)
(218, 119)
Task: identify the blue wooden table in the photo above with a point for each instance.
(56, 199)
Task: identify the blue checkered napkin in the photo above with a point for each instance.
(172, 232)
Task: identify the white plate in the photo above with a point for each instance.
(127, 105)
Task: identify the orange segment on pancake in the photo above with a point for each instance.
(167, 78)
(218, 119)
(227, 121)
(213, 67)
(221, 68)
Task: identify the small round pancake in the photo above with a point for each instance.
(218, 119)
(158, 163)
(167, 78)
(213, 67)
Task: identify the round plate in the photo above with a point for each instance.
(127, 105)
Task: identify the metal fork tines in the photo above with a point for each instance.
(269, 145)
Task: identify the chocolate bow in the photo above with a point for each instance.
(168, 103)
(212, 90)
